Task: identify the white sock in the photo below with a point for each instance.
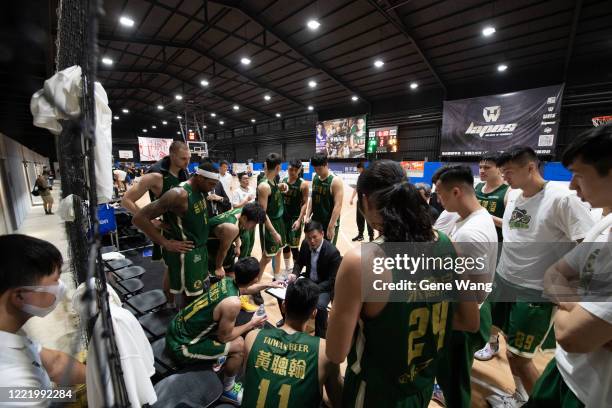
(288, 265)
(228, 382)
(520, 388)
(493, 339)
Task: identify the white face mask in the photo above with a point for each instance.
(56, 290)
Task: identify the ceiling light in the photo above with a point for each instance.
(245, 61)
(312, 84)
(379, 63)
(190, 130)
(236, 107)
(354, 98)
(126, 21)
(204, 127)
(125, 110)
(179, 117)
(153, 127)
(213, 114)
(267, 97)
(221, 122)
(144, 130)
(313, 24)
(107, 61)
(414, 85)
(278, 115)
(178, 97)
(160, 107)
(178, 133)
(488, 31)
(164, 122)
(253, 120)
(310, 107)
(116, 117)
(204, 82)
(502, 67)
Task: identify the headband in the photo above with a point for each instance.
(207, 174)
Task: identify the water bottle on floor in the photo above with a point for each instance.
(261, 311)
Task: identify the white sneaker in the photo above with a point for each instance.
(506, 401)
(487, 352)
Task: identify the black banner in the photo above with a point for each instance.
(474, 126)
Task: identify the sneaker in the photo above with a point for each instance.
(438, 395)
(257, 299)
(358, 238)
(506, 401)
(280, 322)
(246, 305)
(487, 352)
(233, 395)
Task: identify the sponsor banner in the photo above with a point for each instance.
(126, 154)
(413, 168)
(342, 138)
(153, 149)
(347, 171)
(198, 148)
(240, 167)
(383, 140)
(474, 126)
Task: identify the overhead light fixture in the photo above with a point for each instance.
(204, 82)
(126, 21)
(213, 114)
(189, 130)
(236, 107)
(179, 117)
(160, 107)
(354, 98)
(204, 127)
(221, 122)
(253, 121)
(178, 133)
(310, 107)
(178, 97)
(245, 61)
(144, 130)
(414, 85)
(267, 97)
(164, 122)
(116, 117)
(313, 24)
(502, 67)
(107, 61)
(153, 127)
(488, 31)
(125, 110)
(379, 63)
(312, 84)
(278, 115)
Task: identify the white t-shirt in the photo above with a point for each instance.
(226, 180)
(476, 237)
(240, 195)
(532, 226)
(120, 174)
(446, 221)
(20, 366)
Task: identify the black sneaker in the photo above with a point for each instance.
(358, 238)
(280, 322)
(257, 299)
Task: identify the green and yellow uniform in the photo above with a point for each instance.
(323, 203)
(191, 336)
(275, 210)
(169, 181)
(551, 390)
(293, 207)
(394, 356)
(246, 240)
(282, 371)
(493, 202)
(188, 271)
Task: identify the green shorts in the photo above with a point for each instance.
(527, 325)
(247, 240)
(552, 391)
(269, 246)
(292, 238)
(205, 349)
(157, 253)
(333, 241)
(187, 272)
(357, 393)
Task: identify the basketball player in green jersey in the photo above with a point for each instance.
(327, 193)
(270, 197)
(394, 346)
(167, 173)
(206, 329)
(296, 202)
(287, 367)
(186, 256)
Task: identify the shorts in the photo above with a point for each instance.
(527, 325)
(551, 390)
(292, 238)
(269, 246)
(337, 229)
(157, 254)
(47, 199)
(247, 240)
(205, 349)
(228, 261)
(357, 394)
(187, 272)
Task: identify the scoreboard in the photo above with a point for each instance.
(383, 140)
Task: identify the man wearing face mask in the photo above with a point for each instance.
(30, 285)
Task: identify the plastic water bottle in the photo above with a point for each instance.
(261, 311)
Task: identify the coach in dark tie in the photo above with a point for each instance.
(321, 259)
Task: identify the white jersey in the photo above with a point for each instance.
(446, 221)
(551, 216)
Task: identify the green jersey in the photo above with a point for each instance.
(322, 200)
(275, 207)
(228, 217)
(293, 198)
(193, 225)
(282, 371)
(420, 333)
(197, 320)
(493, 202)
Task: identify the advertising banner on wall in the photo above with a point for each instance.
(342, 138)
(382, 140)
(347, 171)
(474, 126)
(126, 154)
(413, 168)
(153, 149)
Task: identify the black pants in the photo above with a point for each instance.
(361, 221)
(321, 317)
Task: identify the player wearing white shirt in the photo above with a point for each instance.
(581, 372)
(473, 232)
(537, 220)
(244, 194)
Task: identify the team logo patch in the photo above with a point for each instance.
(491, 113)
(519, 219)
(197, 258)
(197, 284)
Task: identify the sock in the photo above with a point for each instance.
(288, 265)
(520, 388)
(228, 382)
